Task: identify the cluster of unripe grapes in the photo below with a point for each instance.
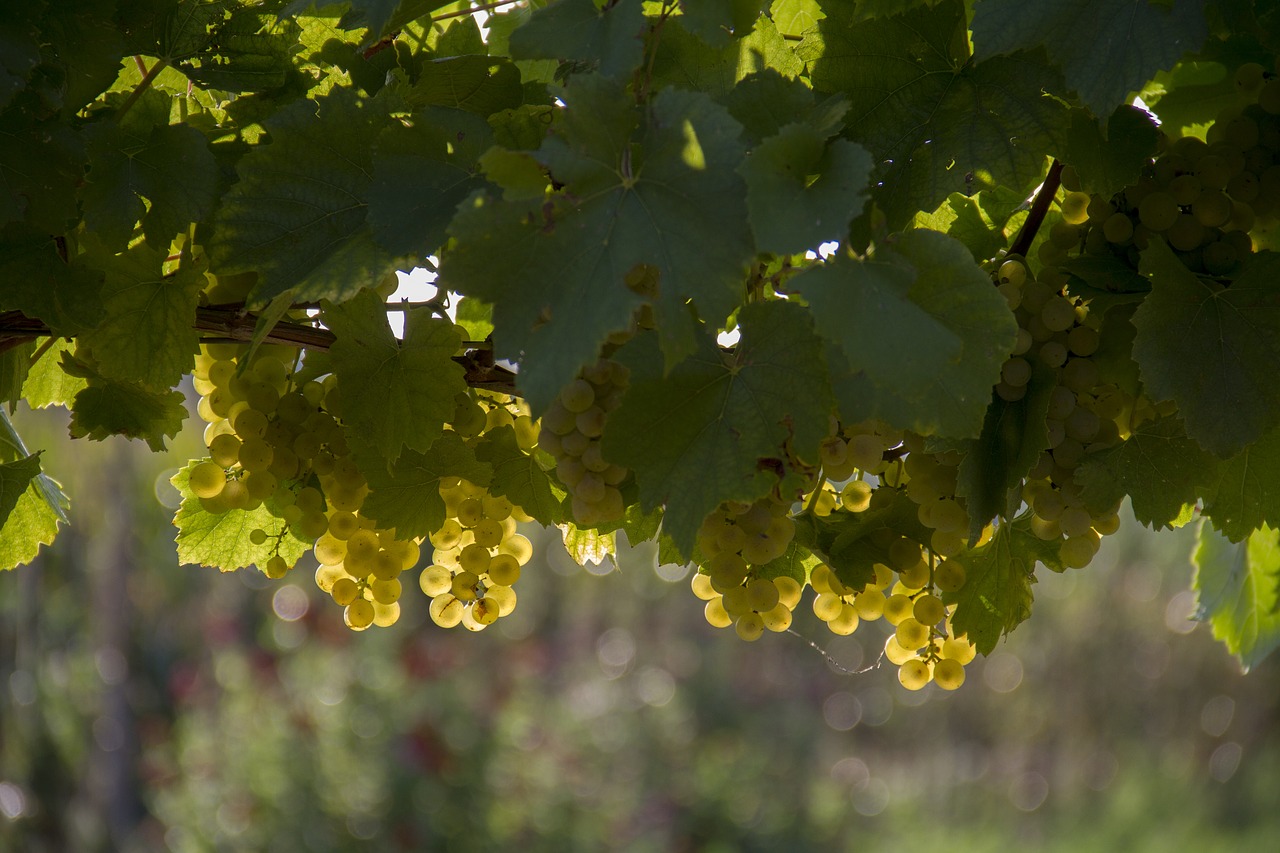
(737, 541)
(477, 559)
(571, 431)
(273, 443)
(1085, 415)
(1203, 197)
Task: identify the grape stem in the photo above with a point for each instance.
(143, 85)
(875, 664)
(1039, 208)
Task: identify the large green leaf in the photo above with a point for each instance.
(221, 540)
(1106, 48)
(704, 432)
(518, 476)
(420, 174)
(802, 190)
(1236, 588)
(15, 479)
(1157, 466)
(683, 60)
(35, 280)
(937, 122)
(1014, 434)
(717, 22)
(147, 331)
(663, 198)
(407, 495)
(297, 215)
(1246, 494)
(395, 394)
(1108, 159)
(33, 519)
(41, 165)
(612, 36)
(47, 384)
(919, 332)
(996, 596)
(142, 156)
(107, 407)
(1210, 349)
(476, 84)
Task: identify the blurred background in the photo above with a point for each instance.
(148, 706)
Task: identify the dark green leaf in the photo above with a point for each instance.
(578, 30)
(1212, 350)
(518, 477)
(35, 280)
(107, 407)
(1247, 492)
(396, 394)
(407, 496)
(15, 479)
(996, 596)
(477, 84)
(1157, 466)
(1128, 41)
(1109, 159)
(706, 431)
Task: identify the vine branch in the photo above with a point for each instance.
(1039, 208)
(143, 85)
(233, 324)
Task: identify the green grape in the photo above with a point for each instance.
(827, 606)
(846, 621)
(911, 634)
(276, 568)
(914, 674)
(928, 610)
(1250, 79)
(778, 619)
(948, 576)
(1016, 371)
(856, 496)
(257, 536)
(762, 595)
(207, 480)
(446, 610)
(488, 533)
(789, 591)
(504, 570)
(959, 650)
(869, 604)
(504, 596)
(435, 580)
(344, 591)
(897, 607)
(948, 674)
(485, 611)
(1158, 211)
(716, 615)
(463, 586)
(749, 627)
(1118, 228)
(577, 396)
(1012, 272)
(1058, 313)
(1075, 208)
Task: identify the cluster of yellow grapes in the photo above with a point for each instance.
(1203, 197)
(1085, 414)
(477, 559)
(267, 438)
(571, 430)
(736, 541)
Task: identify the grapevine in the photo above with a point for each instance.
(874, 320)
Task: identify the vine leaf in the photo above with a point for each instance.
(936, 121)
(1013, 436)
(420, 175)
(48, 384)
(395, 394)
(852, 543)
(684, 61)
(478, 84)
(15, 479)
(142, 156)
(1236, 591)
(702, 433)
(1109, 159)
(221, 540)
(718, 22)
(1212, 350)
(406, 495)
(107, 407)
(996, 596)
(518, 477)
(297, 215)
(40, 507)
(39, 283)
(802, 190)
(146, 331)
(564, 274)
(1128, 41)
(1157, 466)
(1247, 492)
(924, 289)
(579, 30)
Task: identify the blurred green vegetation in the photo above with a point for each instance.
(150, 706)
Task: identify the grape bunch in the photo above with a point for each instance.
(570, 432)
(477, 559)
(1210, 200)
(273, 442)
(736, 542)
